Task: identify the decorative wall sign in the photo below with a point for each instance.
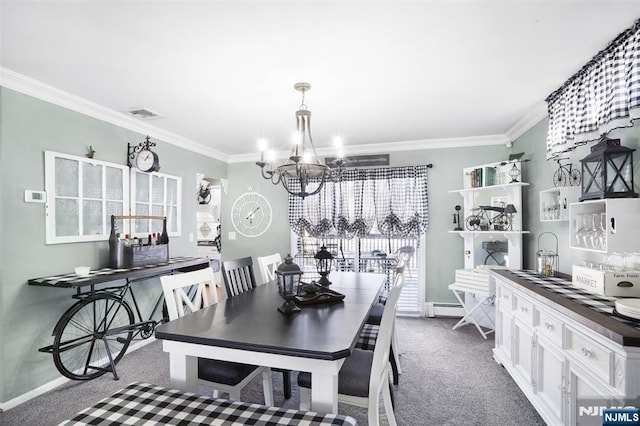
(359, 161)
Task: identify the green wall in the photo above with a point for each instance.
(28, 128)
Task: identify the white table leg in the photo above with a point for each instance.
(183, 371)
(324, 392)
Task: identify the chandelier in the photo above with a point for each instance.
(303, 166)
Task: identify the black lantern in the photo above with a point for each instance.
(289, 275)
(514, 173)
(324, 262)
(607, 172)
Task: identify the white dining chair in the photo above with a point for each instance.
(268, 266)
(365, 374)
(187, 293)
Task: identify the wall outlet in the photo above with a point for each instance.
(31, 196)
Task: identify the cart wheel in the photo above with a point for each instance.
(88, 333)
(472, 223)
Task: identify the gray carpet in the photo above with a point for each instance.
(449, 378)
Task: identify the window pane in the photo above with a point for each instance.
(67, 222)
(172, 219)
(142, 225)
(92, 218)
(114, 184)
(114, 208)
(172, 192)
(157, 196)
(66, 177)
(91, 181)
(142, 187)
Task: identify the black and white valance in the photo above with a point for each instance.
(395, 199)
(603, 95)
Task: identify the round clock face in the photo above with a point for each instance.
(251, 214)
(147, 161)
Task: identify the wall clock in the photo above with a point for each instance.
(251, 214)
(147, 161)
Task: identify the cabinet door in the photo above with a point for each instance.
(586, 397)
(523, 346)
(502, 351)
(549, 378)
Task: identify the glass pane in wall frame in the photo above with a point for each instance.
(67, 217)
(92, 220)
(172, 192)
(172, 219)
(142, 225)
(157, 190)
(66, 176)
(114, 184)
(91, 181)
(142, 187)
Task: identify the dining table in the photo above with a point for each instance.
(248, 328)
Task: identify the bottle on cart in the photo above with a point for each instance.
(113, 244)
(164, 237)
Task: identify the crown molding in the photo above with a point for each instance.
(31, 87)
(391, 147)
(533, 117)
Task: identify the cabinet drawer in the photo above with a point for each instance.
(523, 309)
(505, 297)
(550, 327)
(591, 354)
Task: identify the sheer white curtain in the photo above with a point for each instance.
(603, 95)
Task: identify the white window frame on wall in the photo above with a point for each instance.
(173, 232)
(50, 187)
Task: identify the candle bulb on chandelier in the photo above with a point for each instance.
(262, 147)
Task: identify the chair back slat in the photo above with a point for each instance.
(383, 343)
(268, 266)
(238, 276)
(191, 290)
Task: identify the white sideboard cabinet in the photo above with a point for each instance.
(562, 354)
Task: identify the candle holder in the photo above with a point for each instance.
(288, 275)
(324, 262)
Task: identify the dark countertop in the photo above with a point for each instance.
(591, 310)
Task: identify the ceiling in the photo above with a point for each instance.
(396, 73)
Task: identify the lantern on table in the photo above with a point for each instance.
(288, 275)
(607, 172)
(324, 262)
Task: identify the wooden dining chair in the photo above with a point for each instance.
(187, 293)
(238, 277)
(365, 374)
(368, 336)
(268, 266)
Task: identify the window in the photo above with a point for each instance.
(82, 194)
(156, 194)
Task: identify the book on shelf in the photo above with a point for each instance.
(490, 175)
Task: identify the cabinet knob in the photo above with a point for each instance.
(586, 352)
(548, 325)
(524, 308)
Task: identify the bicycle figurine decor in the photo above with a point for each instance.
(566, 174)
(483, 221)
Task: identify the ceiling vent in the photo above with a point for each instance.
(144, 114)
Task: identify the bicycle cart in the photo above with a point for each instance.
(93, 335)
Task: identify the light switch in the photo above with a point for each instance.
(232, 235)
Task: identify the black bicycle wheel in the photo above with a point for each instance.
(472, 223)
(575, 177)
(88, 332)
(559, 178)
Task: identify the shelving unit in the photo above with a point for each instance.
(496, 189)
(555, 202)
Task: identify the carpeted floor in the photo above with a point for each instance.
(449, 378)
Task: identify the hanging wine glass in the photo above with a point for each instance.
(602, 231)
(589, 230)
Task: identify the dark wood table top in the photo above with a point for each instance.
(99, 276)
(251, 321)
(591, 310)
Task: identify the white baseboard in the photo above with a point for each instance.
(443, 309)
(47, 387)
